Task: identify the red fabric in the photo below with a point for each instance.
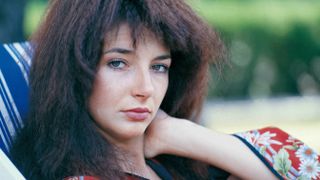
(288, 156)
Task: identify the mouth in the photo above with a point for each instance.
(137, 114)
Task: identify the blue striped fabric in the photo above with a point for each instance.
(15, 60)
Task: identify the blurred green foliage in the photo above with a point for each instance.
(35, 10)
(273, 46)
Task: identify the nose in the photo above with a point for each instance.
(143, 86)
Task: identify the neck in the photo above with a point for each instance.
(131, 150)
(131, 157)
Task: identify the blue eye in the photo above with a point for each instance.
(117, 64)
(160, 68)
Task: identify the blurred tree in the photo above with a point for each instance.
(273, 47)
(35, 10)
(11, 20)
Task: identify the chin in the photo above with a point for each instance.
(132, 132)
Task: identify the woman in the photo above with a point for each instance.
(112, 83)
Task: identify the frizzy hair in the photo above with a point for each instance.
(60, 138)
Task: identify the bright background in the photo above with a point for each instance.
(272, 77)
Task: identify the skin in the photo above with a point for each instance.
(128, 78)
(163, 136)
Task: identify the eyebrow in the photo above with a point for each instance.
(118, 50)
(163, 57)
(129, 51)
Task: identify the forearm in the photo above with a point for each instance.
(221, 150)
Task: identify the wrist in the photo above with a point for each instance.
(177, 136)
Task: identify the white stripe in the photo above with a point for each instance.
(291, 176)
(8, 170)
(7, 122)
(268, 156)
(3, 137)
(273, 152)
(15, 58)
(23, 52)
(11, 101)
(294, 171)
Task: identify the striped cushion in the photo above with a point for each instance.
(15, 60)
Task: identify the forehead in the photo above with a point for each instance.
(123, 36)
(120, 35)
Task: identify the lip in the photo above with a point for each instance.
(138, 110)
(137, 114)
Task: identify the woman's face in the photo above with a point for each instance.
(130, 84)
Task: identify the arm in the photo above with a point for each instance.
(168, 135)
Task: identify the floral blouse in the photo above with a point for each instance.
(286, 157)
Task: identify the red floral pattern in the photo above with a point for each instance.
(289, 157)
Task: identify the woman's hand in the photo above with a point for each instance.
(164, 135)
(155, 136)
(152, 139)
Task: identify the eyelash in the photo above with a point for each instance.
(155, 67)
(111, 64)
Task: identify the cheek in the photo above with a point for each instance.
(108, 90)
(100, 95)
(161, 88)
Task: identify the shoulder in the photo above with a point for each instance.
(286, 156)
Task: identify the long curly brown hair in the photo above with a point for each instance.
(59, 138)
